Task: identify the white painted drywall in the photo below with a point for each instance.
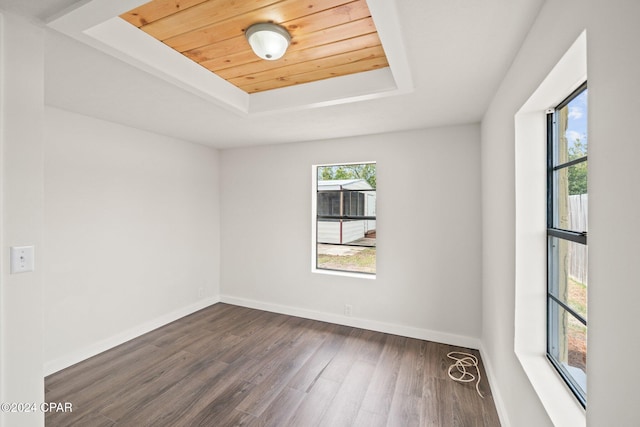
(131, 232)
(613, 40)
(428, 232)
(21, 118)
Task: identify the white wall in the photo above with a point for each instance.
(21, 117)
(131, 233)
(613, 38)
(428, 233)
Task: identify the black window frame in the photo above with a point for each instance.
(554, 231)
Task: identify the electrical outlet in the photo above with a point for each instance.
(21, 259)
(200, 292)
(348, 310)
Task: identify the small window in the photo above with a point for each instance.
(345, 218)
(567, 214)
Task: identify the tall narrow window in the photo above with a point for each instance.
(567, 214)
(345, 218)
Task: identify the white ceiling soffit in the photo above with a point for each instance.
(97, 23)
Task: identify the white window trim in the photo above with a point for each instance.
(314, 206)
(531, 240)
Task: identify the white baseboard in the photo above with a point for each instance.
(495, 390)
(356, 322)
(56, 365)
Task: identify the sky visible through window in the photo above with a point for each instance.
(577, 126)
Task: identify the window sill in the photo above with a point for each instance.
(561, 405)
(344, 273)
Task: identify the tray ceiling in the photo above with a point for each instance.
(330, 38)
(437, 51)
(336, 54)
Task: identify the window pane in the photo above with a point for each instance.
(571, 123)
(347, 258)
(571, 198)
(568, 273)
(568, 345)
(346, 241)
(567, 259)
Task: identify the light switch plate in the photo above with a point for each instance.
(21, 259)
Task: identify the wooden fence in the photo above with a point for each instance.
(578, 219)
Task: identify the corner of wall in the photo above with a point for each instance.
(79, 355)
(21, 139)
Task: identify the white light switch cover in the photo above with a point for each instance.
(21, 259)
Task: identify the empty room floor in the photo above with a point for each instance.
(233, 366)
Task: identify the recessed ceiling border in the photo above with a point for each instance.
(97, 23)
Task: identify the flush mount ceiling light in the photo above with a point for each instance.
(268, 41)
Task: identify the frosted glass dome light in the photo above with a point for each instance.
(268, 41)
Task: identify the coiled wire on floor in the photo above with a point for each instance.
(463, 361)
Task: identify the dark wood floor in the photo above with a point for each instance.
(234, 366)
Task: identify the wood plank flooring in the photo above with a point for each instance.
(233, 366)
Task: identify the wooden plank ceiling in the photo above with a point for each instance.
(329, 38)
